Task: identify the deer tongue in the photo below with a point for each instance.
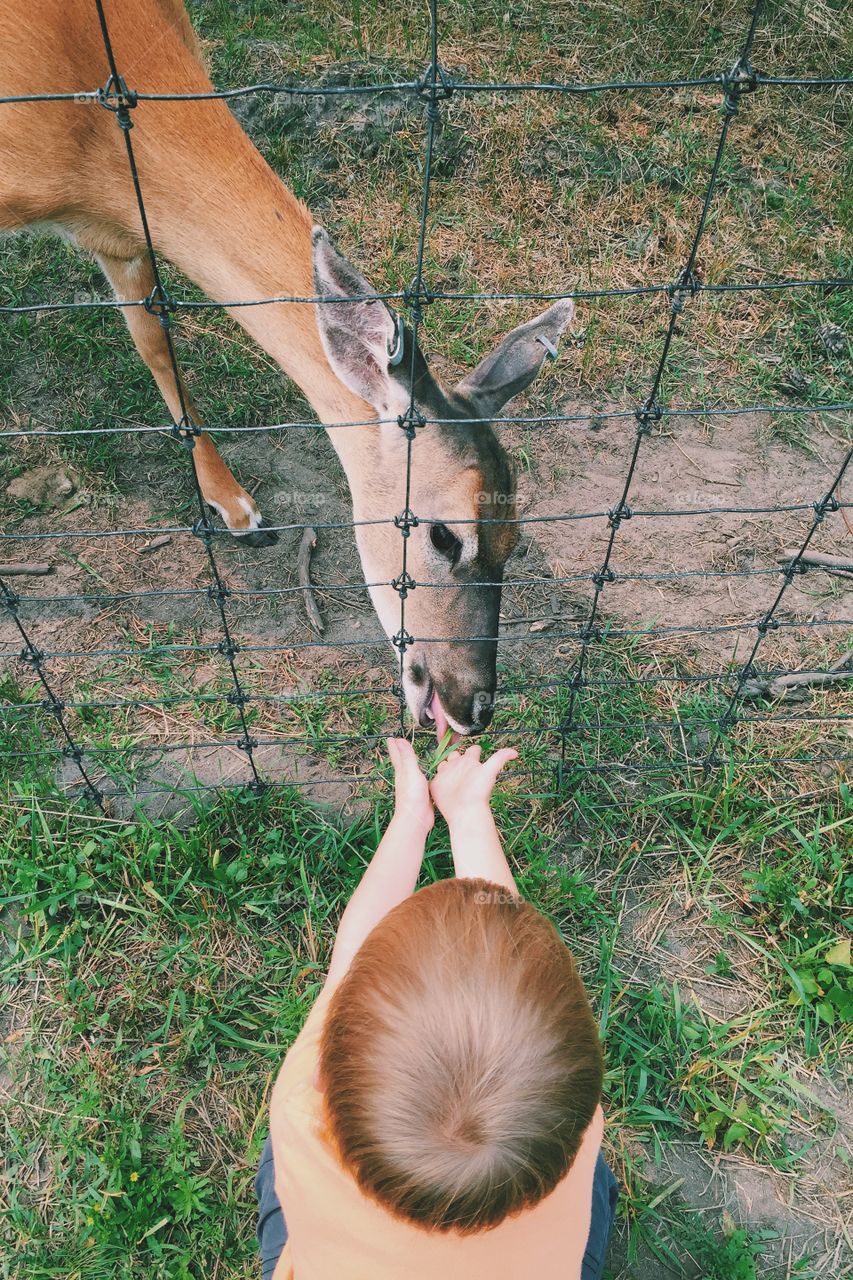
(440, 717)
(437, 713)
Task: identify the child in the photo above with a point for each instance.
(438, 1116)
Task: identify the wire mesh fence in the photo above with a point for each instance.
(575, 705)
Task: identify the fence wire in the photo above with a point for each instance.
(687, 742)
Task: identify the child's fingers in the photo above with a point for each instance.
(495, 763)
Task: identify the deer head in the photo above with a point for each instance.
(462, 489)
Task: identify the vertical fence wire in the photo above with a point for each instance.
(35, 659)
(187, 431)
(415, 297)
(431, 89)
(740, 80)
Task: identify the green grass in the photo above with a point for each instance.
(154, 977)
(153, 974)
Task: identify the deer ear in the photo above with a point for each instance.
(359, 338)
(516, 361)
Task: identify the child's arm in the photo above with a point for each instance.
(461, 789)
(393, 870)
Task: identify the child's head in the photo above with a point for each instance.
(460, 1060)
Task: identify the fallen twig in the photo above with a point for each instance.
(15, 570)
(798, 681)
(817, 559)
(303, 569)
(154, 545)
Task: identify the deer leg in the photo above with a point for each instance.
(132, 279)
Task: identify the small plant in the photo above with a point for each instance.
(744, 1124)
(825, 976)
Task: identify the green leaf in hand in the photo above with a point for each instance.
(443, 750)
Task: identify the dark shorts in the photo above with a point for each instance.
(272, 1229)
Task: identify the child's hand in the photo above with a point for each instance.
(463, 782)
(411, 790)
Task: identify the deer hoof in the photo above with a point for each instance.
(260, 537)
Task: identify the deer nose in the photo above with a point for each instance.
(483, 708)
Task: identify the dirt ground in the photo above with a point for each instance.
(565, 469)
(575, 469)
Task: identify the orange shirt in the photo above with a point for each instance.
(335, 1232)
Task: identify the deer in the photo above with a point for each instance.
(219, 213)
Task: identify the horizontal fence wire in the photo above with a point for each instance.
(578, 691)
(577, 295)
(149, 531)
(550, 419)
(448, 85)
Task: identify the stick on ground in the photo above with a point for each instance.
(15, 570)
(303, 569)
(817, 559)
(798, 681)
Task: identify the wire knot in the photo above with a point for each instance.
(161, 304)
(402, 640)
(603, 576)
(406, 521)
(827, 504)
(591, 635)
(246, 744)
(185, 432)
(218, 593)
(203, 530)
(9, 598)
(33, 657)
(228, 648)
(792, 569)
(742, 78)
(765, 625)
(645, 416)
(617, 514)
(687, 281)
(434, 86)
(116, 97)
(53, 705)
(416, 296)
(404, 584)
(409, 421)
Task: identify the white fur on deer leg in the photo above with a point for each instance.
(252, 512)
(219, 509)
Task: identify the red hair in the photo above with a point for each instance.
(460, 1060)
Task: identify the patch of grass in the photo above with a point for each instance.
(154, 976)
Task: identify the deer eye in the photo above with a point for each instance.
(445, 542)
